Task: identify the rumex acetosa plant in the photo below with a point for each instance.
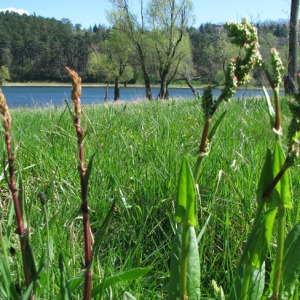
(273, 192)
(27, 260)
(274, 197)
(38, 280)
(185, 261)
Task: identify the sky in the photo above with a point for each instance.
(91, 12)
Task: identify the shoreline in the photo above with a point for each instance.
(103, 85)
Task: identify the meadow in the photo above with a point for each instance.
(141, 149)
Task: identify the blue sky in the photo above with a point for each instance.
(91, 12)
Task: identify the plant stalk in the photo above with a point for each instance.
(76, 92)
(202, 148)
(272, 185)
(277, 125)
(21, 231)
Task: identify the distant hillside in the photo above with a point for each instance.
(37, 49)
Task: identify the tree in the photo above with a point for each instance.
(123, 20)
(113, 62)
(4, 74)
(168, 21)
(290, 79)
(118, 58)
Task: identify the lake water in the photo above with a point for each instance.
(55, 96)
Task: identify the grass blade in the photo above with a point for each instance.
(270, 107)
(101, 231)
(64, 286)
(7, 286)
(120, 278)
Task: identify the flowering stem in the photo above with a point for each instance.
(13, 187)
(202, 148)
(277, 125)
(76, 92)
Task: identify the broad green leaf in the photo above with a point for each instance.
(193, 275)
(250, 275)
(266, 177)
(283, 186)
(120, 278)
(185, 209)
(291, 263)
(193, 267)
(259, 240)
(272, 166)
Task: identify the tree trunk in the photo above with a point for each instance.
(188, 82)
(290, 79)
(106, 92)
(146, 76)
(117, 90)
(163, 93)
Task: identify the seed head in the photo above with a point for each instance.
(76, 89)
(5, 112)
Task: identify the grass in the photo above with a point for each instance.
(142, 145)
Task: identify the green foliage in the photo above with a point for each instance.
(138, 166)
(185, 263)
(37, 49)
(291, 263)
(177, 274)
(4, 74)
(186, 205)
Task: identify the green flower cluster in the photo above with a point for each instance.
(238, 71)
(277, 67)
(244, 35)
(231, 81)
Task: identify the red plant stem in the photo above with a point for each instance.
(272, 185)
(84, 211)
(202, 148)
(277, 108)
(204, 140)
(76, 92)
(14, 191)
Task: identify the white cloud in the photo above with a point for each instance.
(20, 11)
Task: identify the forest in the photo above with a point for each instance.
(34, 48)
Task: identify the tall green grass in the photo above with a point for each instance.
(141, 148)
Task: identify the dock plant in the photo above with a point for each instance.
(274, 193)
(28, 263)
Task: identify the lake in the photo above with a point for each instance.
(42, 96)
